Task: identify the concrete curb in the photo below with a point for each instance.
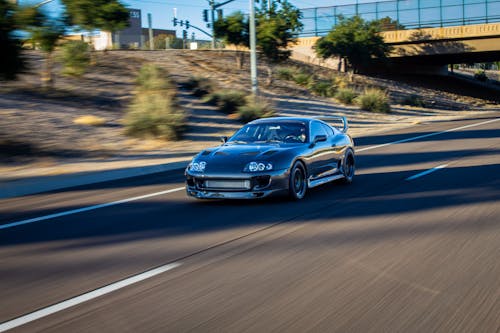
(34, 185)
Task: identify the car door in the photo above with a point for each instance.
(321, 153)
(337, 148)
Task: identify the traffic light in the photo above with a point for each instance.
(181, 23)
(187, 24)
(184, 34)
(219, 14)
(205, 15)
(175, 21)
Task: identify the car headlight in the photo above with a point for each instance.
(197, 166)
(258, 166)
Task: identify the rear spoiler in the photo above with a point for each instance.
(334, 120)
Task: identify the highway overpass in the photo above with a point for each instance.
(428, 49)
(425, 35)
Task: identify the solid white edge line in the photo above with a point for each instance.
(426, 135)
(74, 211)
(85, 209)
(85, 297)
(426, 172)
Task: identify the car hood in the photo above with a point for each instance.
(238, 155)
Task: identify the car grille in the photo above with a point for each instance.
(237, 184)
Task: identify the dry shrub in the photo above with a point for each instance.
(227, 101)
(255, 109)
(374, 100)
(154, 112)
(346, 95)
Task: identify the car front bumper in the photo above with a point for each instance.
(260, 185)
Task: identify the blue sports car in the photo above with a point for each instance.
(286, 155)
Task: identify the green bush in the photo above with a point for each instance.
(227, 101)
(322, 88)
(481, 75)
(254, 110)
(286, 73)
(374, 100)
(413, 100)
(346, 95)
(212, 99)
(302, 79)
(199, 85)
(151, 77)
(155, 113)
(75, 58)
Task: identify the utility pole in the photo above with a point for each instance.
(150, 27)
(253, 50)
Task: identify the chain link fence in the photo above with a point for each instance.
(404, 14)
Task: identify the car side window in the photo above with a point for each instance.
(317, 129)
(328, 130)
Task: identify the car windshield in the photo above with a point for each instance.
(280, 132)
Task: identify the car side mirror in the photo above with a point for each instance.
(319, 138)
(223, 139)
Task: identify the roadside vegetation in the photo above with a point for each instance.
(255, 109)
(240, 105)
(413, 100)
(75, 58)
(374, 100)
(154, 111)
(227, 101)
(200, 86)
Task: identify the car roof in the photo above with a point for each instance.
(282, 119)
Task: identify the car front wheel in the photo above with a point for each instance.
(297, 184)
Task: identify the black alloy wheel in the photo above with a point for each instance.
(348, 167)
(297, 183)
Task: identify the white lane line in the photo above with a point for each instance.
(85, 209)
(85, 297)
(426, 135)
(426, 172)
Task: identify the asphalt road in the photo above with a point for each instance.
(384, 254)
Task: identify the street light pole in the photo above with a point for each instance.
(253, 51)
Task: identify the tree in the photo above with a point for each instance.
(10, 48)
(107, 15)
(277, 28)
(355, 40)
(45, 37)
(75, 57)
(234, 30)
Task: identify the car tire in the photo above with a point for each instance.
(348, 167)
(297, 184)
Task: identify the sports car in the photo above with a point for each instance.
(268, 156)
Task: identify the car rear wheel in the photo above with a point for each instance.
(348, 167)
(297, 186)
